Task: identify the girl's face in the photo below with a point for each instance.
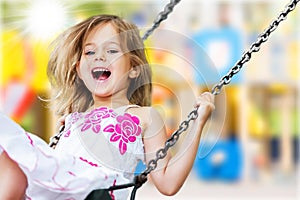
(103, 67)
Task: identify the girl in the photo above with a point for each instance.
(102, 88)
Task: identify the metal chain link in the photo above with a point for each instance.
(55, 139)
(140, 179)
(161, 153)
(161, 17)
(255, 47)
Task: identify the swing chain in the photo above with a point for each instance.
(140, 179)
(55, 139)
(255, 47)
(162, 153)
(161, 17)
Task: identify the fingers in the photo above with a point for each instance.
(60, 122)
(206, 99)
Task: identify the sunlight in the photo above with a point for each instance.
(45, 18)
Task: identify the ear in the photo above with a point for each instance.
(134, 72)
(78, 69)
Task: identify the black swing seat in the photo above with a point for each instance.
(101, 194)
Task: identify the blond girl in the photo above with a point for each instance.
(101, 83)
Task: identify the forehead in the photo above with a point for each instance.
(102, 33)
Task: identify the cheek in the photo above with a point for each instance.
(124, 61)
(82, 69)
(82, 72)
(78, 70)
(120, 67)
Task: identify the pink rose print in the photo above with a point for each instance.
(73, 118)
(124, 131)
(93, 119)
(28, 136)
(111, 193)
(88, 162)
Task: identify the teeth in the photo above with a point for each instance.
(99, 70)
(100, 73)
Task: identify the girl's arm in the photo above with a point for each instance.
(171, 172)
(13, 181)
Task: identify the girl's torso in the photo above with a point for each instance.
(106, 137)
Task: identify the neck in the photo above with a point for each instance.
(110, 102)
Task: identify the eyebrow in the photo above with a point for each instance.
(105, 43)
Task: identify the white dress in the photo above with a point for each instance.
(97, 149)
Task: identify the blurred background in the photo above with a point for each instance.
(251, 143)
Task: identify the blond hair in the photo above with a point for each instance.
(69, 94)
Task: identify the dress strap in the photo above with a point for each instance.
(123, 109)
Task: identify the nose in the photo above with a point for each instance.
(100, 57)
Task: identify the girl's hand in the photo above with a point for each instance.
(206, 105)
(60, 122)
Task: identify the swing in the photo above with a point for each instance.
(140, 179)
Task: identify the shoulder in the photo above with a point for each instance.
(143, 113)
(149, 116)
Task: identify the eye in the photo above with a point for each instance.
(112, 51)
(89, 53)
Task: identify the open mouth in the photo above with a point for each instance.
(100, 74)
